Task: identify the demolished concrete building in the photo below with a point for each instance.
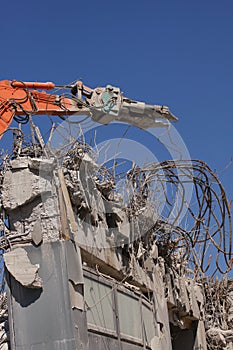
(79, 275)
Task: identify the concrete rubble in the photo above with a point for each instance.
(22, 190)
(48, 207)
(20, 267)
(219, 313)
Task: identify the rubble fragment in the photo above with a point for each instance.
(20, 267)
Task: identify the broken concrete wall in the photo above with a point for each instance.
(30, 200)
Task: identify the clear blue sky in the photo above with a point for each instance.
(173, 52)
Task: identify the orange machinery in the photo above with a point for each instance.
(103, 105)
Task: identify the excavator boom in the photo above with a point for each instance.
(17, 99)
(103, 105)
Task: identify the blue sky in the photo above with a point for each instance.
(176, 53)
(170, 52)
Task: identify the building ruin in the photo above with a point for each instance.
(83, 270)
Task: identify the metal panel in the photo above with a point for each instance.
(99, 299)
(129, 346)
(148, 323)
(101, 342)
(80, 329)
(44, 315)
(129, 315)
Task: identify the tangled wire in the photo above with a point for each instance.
(199, 225)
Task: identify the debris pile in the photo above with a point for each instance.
(219, 313)
(145, 229)
(199, 235)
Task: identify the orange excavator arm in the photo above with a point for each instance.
(103, 105)
(21, 98)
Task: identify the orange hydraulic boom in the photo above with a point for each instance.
(101, 104)
(17, 99)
